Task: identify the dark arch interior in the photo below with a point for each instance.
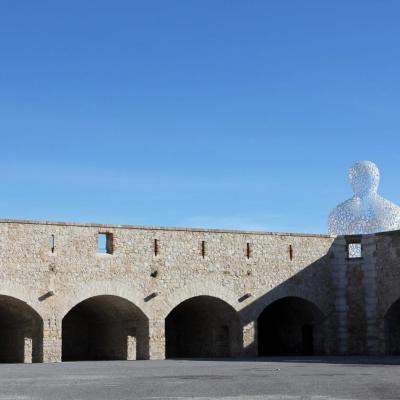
(202, 326)
(21, 332)
(392, 329)
(291, 326)
(105, 328)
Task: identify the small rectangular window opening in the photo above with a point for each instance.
(156, 247)
(203, 248)
(354, 250)
(291, 252)
(52, 243)
(248, 250)
(105, 243)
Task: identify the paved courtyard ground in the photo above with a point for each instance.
(269, 378)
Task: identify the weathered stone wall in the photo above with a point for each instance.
(387, 287)
(246, 270)
(366, 289)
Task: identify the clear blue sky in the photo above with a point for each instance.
(206, 113)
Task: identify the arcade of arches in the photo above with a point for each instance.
(112, 328)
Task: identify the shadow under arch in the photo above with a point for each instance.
(21, 332)
(291, 326)
(105, 327)
(127, 291)
(392, 329)
(203, 326)
(199, 288)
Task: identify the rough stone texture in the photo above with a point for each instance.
(353, 295)
(338, 324)
(387, 267)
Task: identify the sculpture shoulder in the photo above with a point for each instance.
(340, 217)
(387, 206)
(389, 213)
(347, 207)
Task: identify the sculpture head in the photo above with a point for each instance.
(364, 178)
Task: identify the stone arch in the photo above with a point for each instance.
(392, 328)
(391, 297)
(105, 327)
(21, 331)
(20, 292)
(263, 300)
(132, 321)
(291, 325)
(201, 288)
(203, 326)
(127, 291)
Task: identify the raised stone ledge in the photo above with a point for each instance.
(158, 228)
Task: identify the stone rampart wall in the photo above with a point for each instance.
(55, 267)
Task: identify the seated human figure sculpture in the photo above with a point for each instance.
(367, 211)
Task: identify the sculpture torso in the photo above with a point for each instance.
(366, 212)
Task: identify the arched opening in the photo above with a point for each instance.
(291, 326)
(392, 329)
(105, 328)
(202, 326)
(21, 332)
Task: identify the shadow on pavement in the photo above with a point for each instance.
(345, 360)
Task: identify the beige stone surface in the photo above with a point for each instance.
(52, 283)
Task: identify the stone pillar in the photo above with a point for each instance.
(339, 267)
(156, 339)
(28, 349)
(370, 293)
(250, 346)
(52, 341)
(131, 344)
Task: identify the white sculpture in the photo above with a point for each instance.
(366, 211)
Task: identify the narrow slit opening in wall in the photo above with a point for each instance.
(203, 248)
(354, 250)
(105, 243)
(248, 250)
(291, 252)
(52, 243)
(156, 247)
